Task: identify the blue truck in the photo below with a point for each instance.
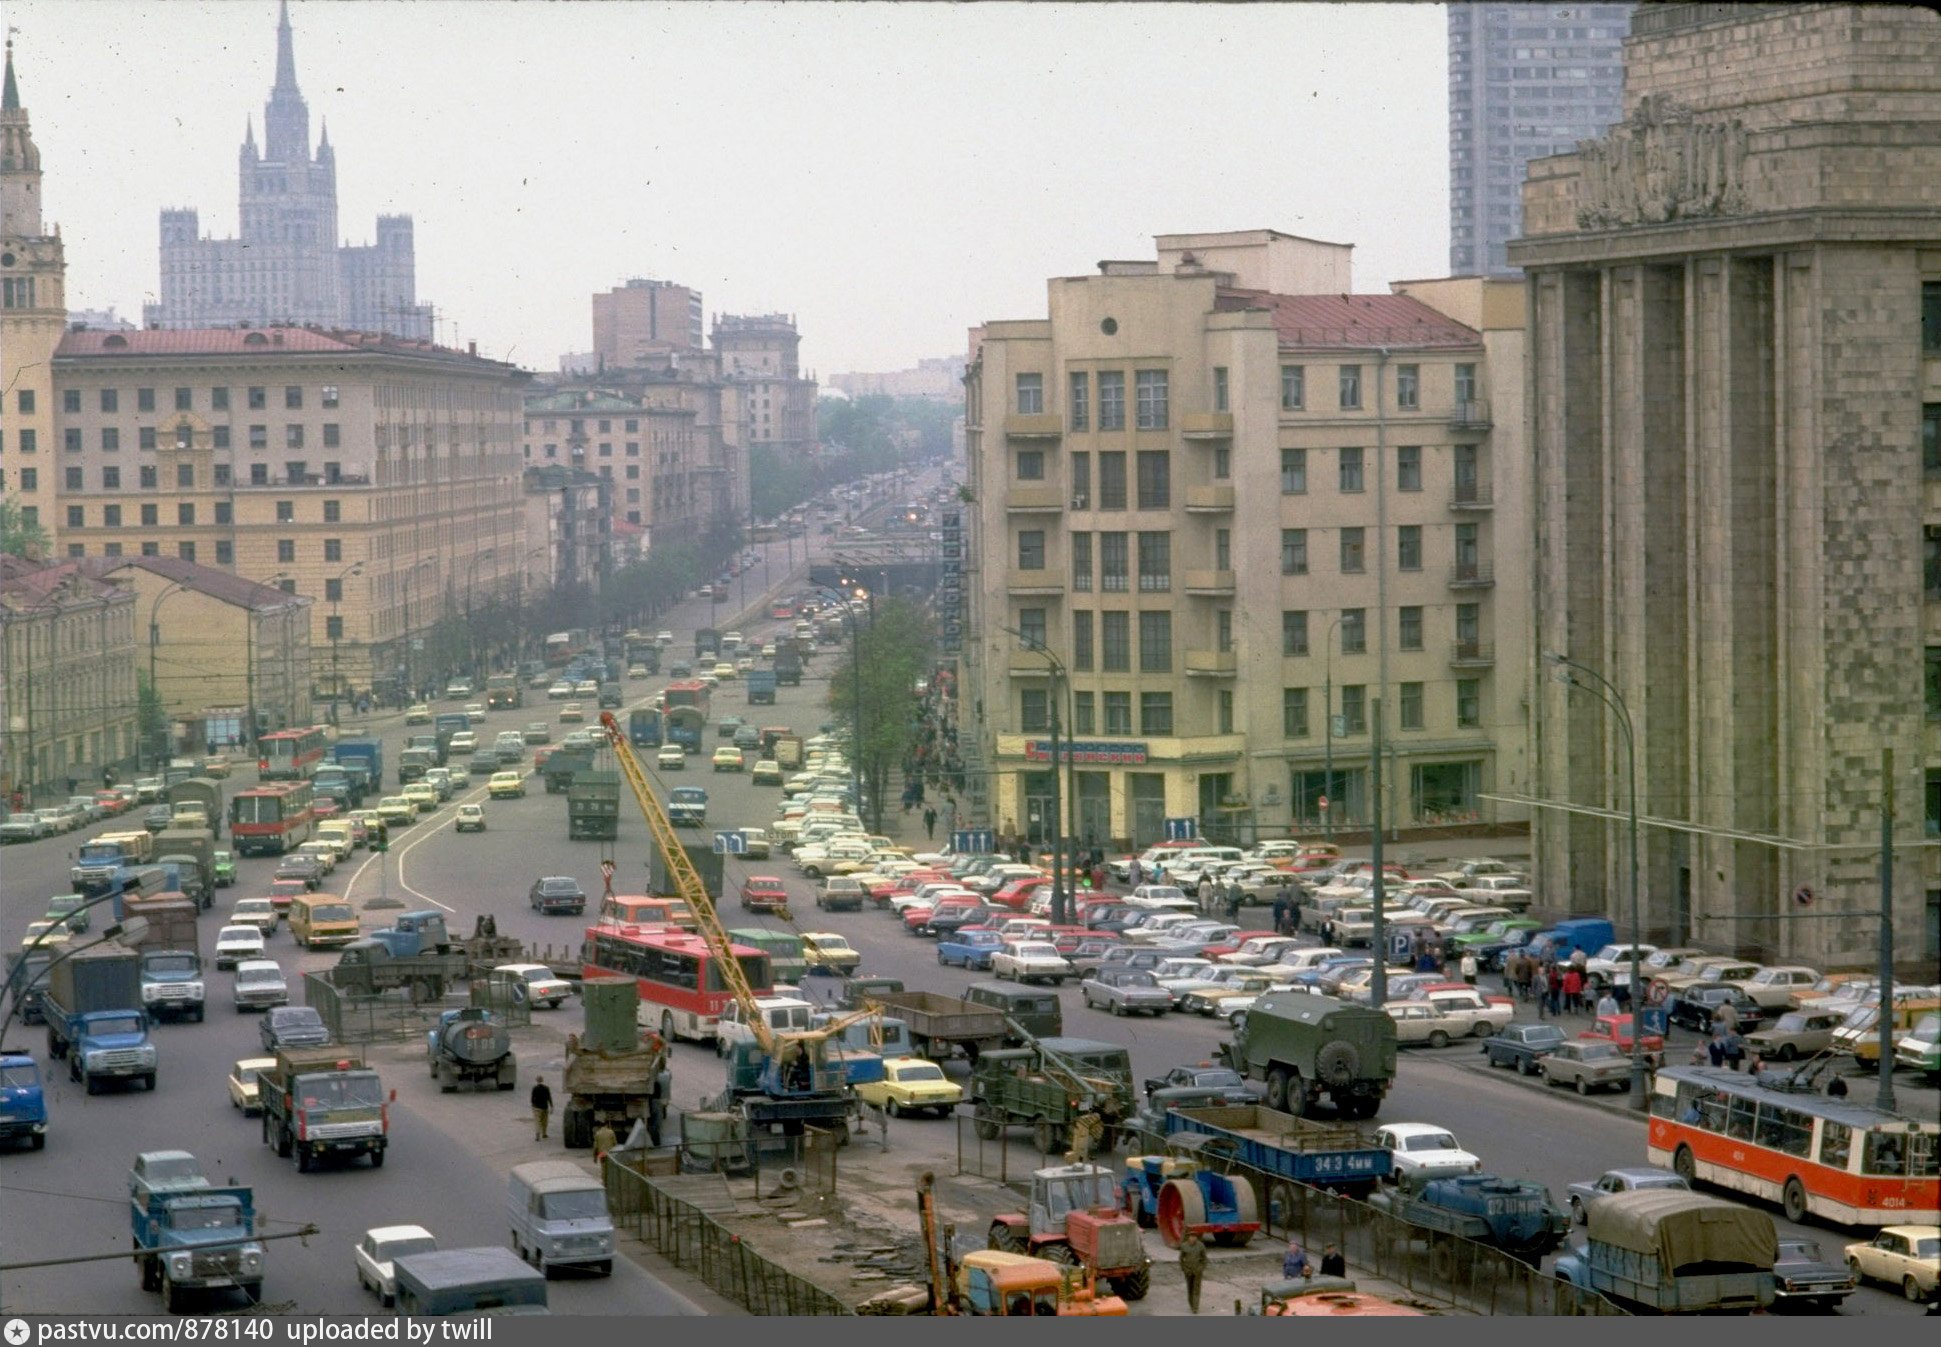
(1668, 1251)
(761, 687)
(190, 1234)
(685, 726)
(687, 807)
(95, 1020)
(1287, 1147)
(23, 1107)
(644, 727)
(1588, 934)
(364, 754)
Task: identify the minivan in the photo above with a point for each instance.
(1037, 1011)
(558, 1214)
(322, 919)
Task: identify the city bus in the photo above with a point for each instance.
(270, 820)
(290, 755)
(782, 611)
(682, 992)
(688, 692)
(562, 646)
(1841, 1161)
(636, 910)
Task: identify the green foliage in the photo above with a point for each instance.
(18, 534)
(858, 436)
(897, 649)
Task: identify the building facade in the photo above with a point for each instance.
(378, 476)
(647, 451)
(1736, 409)
(646, 322)
(1525, 81)
(1240, 517)
(939, 380)
(758, 355)
(569, 528)
(286, 265)
(70, 691)
(33, 314)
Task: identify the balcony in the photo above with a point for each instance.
(1033, 584)
(1472, 655)
(1206, 426)
(1472, 415)
(1034, 426)
(1209, 500)
(1471, 496)
(1034, 500)
(1472, 575)
(1210, 582)
(1212, 664)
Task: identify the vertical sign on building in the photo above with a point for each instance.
(950, 599)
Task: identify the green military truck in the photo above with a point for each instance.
(1048, 1085)
(563, 766)
(1306, 1046)
(593, 806)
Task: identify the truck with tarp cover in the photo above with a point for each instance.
(1676, 1252)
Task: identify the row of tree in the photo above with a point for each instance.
(857, 437)
(897, 647)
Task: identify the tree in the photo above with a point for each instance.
(20, 534)
(897, 648)
(151, 716)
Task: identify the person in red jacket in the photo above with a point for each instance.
(1573, 989)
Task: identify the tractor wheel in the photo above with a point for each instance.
(1283, 1205)
(1246, 1211)
(1181, 1207)
(1003, 1238)
(1134, 1285)
(987, 1128)
(1060, 1253)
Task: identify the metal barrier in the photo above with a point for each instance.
(393, 1016)
(695, 1242)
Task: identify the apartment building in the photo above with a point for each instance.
(646, 322)
(69, 646)
(1241, 506)
(33, 314)
(649, 451)
(377, 475)
(758, 355)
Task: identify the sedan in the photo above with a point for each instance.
(22, 827)
(1030, 961)
(1125, 990)
(258, 912)
(1798, 1033)
(1425, 1151)
(70, 909)
(378, 1252)
(243, 1089)
(1586, 1065)
(537, 732)
(1629, 1180)
(532, 983)
(418, 714)
(422, 794)
(828, 949)
(728, 725)
(1522, 1045)
(572, 713)
(671, 758)
(969, 949)
(1804, 1279)
(1697, 1006)
(475, 713)
(1236, 1088)
(237, 943)
(292, 1026)
(302, 866)
(912, 1085)
(763, 893)
(728, 758)
(260, 985)
(766, 772)
(397, 811)
(501, 786)
(557, 893)
(1907, 1256)
(559, 691)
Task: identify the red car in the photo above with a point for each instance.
(763, 893)
(1617, 1029)
(879, 889)
(324, 807)
(1018, 893)
(283, 890)
(1232, 943)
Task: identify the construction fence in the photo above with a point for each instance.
(398, 1015)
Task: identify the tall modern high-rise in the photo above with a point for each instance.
(1524, 81)
(287, 265)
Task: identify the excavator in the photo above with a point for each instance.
(785, 1077)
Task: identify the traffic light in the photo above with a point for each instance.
(381, 840)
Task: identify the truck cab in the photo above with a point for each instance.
(687, 807)
(172, 983)
(23, 1106)
(176, 1215)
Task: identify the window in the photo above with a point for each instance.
(1155, 642)
(1408, 468)
(1118, 713)
(1079, 395)
(1931, 315)
(1081, 481)
(1408, 547)
(1354, 708)
(1354, 631)
(219, 399)
(1410, 705)
(259, 437)
(1293, 387)
(1082, 562)
(110, 439)
(71, 400)
(1032, 717)
(186, 551)
(219, 436)
(1468, 624)
(185, 475)
(1293, 551)
(72, 479)
(259, 398)
(111, 516)
(286, 549)
(25, 401)
(110, 400)
(1293, 472)
(1222, 464)
(1031, 550)
(1150, 389)
(225, 513)
(259, 474)
(332, 436)
(334, 590)
(1031, 394)
(1465, 385)
(293, 397)
(1112, 481)
(1113, 564)
(333, 549)
(1082, 640)
(1219, 388)
(1112, 399)
(1222, 549)
(329, 392)
(1350, 388)
(111, 479)
(1350, 470)
(76, 517)
(286, 511)
(333, 511)
(1469, 702)
(1155, 479)
(1031, 465)
(1223, 630)
(333, 474)
(151, 549)
(145, 437)
(293, 437)
(184, 437)
(1155, 562)
(1294, 633)
(1084, 713)
(1933, 684)
(144, 399)
(1408, 386)
(1294, 713)
(17, 292)
(1468, 567)
(1115, 641)
(184, 399)
(1353, 554)
(1031, 628)
(146, 476)
(334, 628)
(151, 516)
(1155, 713)
(1408, 625)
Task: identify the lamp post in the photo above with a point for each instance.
(471, 632)
(1327, 719)
(1605, 691)
(1060, 909)
(154, 643)
(335, 590)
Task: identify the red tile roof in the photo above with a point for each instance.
(1346, 322)
(216, 583)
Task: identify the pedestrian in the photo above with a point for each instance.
(1098, 877)
(1132, 872)
(1192, 1266)
(1716, 1048)
(1469, 967)
(1234, 899)
(1606, 1004)
(604, 1141)
(1554, 986)
(1837, 1088)
(1332, 1263)
(1280, 912)
(1727, 1014)
(1295, 1262)
(1573, 988)
(1205, 895)
(1425, 962)
(542, 1107)
(930, 823)
(1735, 1050)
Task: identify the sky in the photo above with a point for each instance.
(890, 174)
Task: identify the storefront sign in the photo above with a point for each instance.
(1088, 752)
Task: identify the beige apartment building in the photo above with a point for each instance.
(33, 315)
(68, 697)
(1241, 506)
(649, 449)
(645, 322)
(1736, 409)
(758, 355)
(377, 475)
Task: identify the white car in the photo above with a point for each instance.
(1162, 898)
(534, 982)
(1611, 966)
(1156, 926)
(1175, 973)
(380, 1248)
(258, 912)
(475, 713)
(464, 743)
(236, 943)
(1031, 961)
(1425, 1151)
(1261, 950)
(1469, 1011)
(260, 984)
(560, 691)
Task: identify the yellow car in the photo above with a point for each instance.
(506, 786)
(766, 772)
(912, 1085)
(424, 796)
(1907, 1256)
(419, 714)
(573, 711)
(55, 932)
(728, 758)
(828, 949)
(397, 811)
(724, 671)
(242, 1083)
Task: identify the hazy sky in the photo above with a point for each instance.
(889, 173)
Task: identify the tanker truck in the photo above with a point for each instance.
(473, 1045)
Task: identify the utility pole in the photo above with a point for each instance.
(1059, 913)
(1378, 936)
(1884, 1097)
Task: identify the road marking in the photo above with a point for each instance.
(437, 826)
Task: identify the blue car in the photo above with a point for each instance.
(970, 949)
(1311, 977)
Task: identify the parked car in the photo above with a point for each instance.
(1797, 1033)
(1125, 990)
(1424, 1151)
(1697, 1006)
(1420, 1022)
(533, 983)
(1628, 1180)
(1907, 1256)
(1030, 961)
(842, 893)
(1586, 1065)
(1522, 1045)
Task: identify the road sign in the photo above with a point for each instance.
(1340, 724)
(971, 841)
(1324, 804)
(1400, 945)
(729, 842)
(1182, 829)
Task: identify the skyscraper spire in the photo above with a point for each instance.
(286, 61)
(10, 102)
(286, 118)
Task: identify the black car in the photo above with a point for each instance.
(1805, 1280)
(297, 865)
(1230, 1087)
(292, 1027)
(950, 920)
(558, 893)
(1696, 1008)
(1522, 1045)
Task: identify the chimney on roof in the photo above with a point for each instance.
(472, 347)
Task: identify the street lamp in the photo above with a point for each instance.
(1605, 691)
(154, 643)
(335, 589)
(1327, 717)
(1060, 911)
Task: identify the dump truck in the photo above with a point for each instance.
(593, 806)
(1306, 1047)
(323, 1101)
(1049, 1085)
(190, 1234)
(95, 1021)
(101, 858)
(365, 755)
(171, 956)
(420, 932)
(1514, 1215)
(1076, 1218)
(1675, 1252)
(614, 1074)
(941, 1026)
(1290, 1148)
(474, 1045)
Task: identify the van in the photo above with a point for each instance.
(639, 910)
(464, 1281)
(558, 1214)
(1037, 1011)
(784, 1014)
(322, 919)
(1589, 934)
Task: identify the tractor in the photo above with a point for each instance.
(1076, 1220)
(1178, 1195)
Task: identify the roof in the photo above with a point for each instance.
(28, 585)
(1352, 322)
(207, 580)
(275, 339)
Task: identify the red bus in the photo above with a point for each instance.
(781, 612)
(687, 692)
(676, 972)
(270, 820)
(290, 755)
(1841, 1161)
